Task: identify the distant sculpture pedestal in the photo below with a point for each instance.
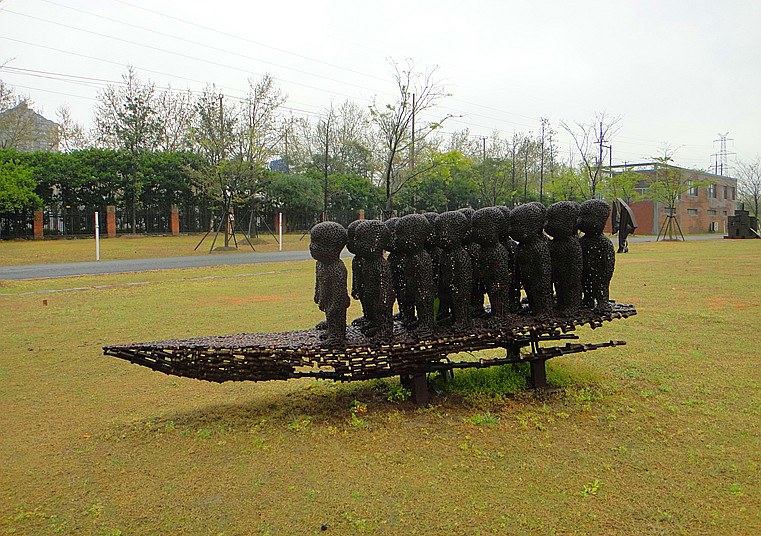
(111, 221)
(38, 228)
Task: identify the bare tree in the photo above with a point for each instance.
(260, 130)
(126, 117)
(590, 140)
(749, 183)
(175, 112)
(401, 124)
(213, 125)
(72, 135)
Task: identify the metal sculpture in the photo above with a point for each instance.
(566, 256)
(598, 252)
(328, 240)
(533, 256)
(473, 248)
(456, 276)
(411, 233)
(494, 269)
(623, 222)
(371, 238)
(379, 348)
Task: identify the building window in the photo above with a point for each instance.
(711, 212)
(692, 211)
(691, 190)
(711, 190)
(726, 192)
(733, 193)
(713, 227)
(725, 212)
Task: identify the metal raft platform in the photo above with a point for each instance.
(298, 354)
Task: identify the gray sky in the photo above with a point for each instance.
(676, 72)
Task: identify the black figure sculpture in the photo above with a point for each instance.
(371, 239)
(474, 250)
(495, 260)
(433, 250)
(410, 235)
(396, 264)
(565, 252)
(624, 223)
(512, 248)
(455, 281)
(328, 240)
(356, 271)
(533, 256)
(599, 255)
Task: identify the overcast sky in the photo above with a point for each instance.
(676, 72)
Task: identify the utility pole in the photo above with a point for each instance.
(412, 145)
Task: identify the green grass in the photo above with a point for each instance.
(23, 252)
(660, 436)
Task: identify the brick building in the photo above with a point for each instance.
(702, 208)
(25, 130)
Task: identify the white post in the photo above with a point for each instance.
(280, 226)
(97, 237)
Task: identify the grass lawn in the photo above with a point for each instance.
(661, 436)
(22, 252)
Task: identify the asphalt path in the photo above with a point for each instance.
(70, 269)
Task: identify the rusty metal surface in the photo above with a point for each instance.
(293, 354)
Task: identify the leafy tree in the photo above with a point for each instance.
(259, 131)
(622, 185)
(71, 134)
(175, 111)
(17, 188)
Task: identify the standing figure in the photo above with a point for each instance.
(411, 233)
(434, 250)
(356, 271)
(396, 264)
(495, 261)
(533, 256)
(455, 281)
(474, 250)
(371, 239)
(512, 248)
(566, 255)
(328, 240)
(599, 255)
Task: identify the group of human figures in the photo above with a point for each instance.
(439, 267)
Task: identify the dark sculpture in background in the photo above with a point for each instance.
(598, 253)
(623, 222)
(328, 240)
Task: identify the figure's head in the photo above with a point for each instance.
(487, 224)
(504, 232)
(468, 212)
(527, 222)
(411, 233)
(327, 241)
(450, 229)
(593, 214)
(350, 235)
(371, 237)
(562, 218)
(430, 243)
(390, 224)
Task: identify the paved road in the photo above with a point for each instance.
(46, 271)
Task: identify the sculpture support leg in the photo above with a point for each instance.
(538, 374)
(420, 394)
